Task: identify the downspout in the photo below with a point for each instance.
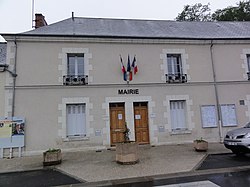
(216, 93)
(14, 81)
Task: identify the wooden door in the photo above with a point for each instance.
(117, 122)
(141, 122)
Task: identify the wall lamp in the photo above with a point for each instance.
(4, 67)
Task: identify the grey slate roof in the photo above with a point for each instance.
(128, 28)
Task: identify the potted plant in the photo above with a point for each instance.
(52, 157)
(127, 151)
(200, 145)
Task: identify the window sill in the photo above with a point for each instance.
(71, 139)
(178, 132)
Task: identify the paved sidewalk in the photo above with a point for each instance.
(92, 166)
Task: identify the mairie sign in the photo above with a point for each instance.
(128, 91)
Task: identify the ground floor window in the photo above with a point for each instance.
(178, 115)
(76, 120)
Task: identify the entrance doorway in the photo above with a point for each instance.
(117, 122)
(141, 122)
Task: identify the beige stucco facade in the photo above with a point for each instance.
(41, 97)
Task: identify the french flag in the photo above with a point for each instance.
(129, 70)
(123, 70)
(134, 65)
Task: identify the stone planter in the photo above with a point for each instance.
(127, 153)
(52, 157)
(200, 145)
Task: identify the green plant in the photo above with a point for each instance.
(52, 150)
(200, 140)
(126, 133)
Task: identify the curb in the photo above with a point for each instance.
(150, 180)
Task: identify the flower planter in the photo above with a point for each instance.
(200, 145)
(52, 157)
(127, 153)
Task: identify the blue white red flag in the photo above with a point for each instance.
(123, 70)
(129, 70)
(134, 65)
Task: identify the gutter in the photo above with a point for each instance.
(73, 35)
(216, 93)
(14, 82)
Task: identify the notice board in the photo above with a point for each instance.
(228, 114)
(12, 131)
(208, 116)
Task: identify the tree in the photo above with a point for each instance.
(238, 13)
(197, 12)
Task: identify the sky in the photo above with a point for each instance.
(16, 15)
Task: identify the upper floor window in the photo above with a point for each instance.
(75, 64)
(75, 70)
(175, 69)
(248, 66)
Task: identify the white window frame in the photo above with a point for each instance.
(248, 62)
(79, 118)
(184, 62)
(62, 120)
(63, 57)
(174, 65)
(245, 63)
(180, 114)
(189, 114)
(76, 57)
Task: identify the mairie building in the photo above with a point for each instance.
(79, 81)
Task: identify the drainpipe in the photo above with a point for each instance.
(14, 81)
(216, 93)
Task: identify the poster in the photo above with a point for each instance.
(5, 129)
(12, 132)
(17, 126)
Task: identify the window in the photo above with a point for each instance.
(174, 69)
(178, 115)
(75, 64)
(248, 66)
(76, 120)
(174, 63)
(75, 70)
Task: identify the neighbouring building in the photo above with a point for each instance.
(3, 47)
(80, 80)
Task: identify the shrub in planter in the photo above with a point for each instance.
(52, 157)
(127, 151)
(200, 145)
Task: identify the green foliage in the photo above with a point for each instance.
(53, 150)
(200, 140)
(238, 13)
(197, 12)
(126, 133)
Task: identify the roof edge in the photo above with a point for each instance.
(119, 37)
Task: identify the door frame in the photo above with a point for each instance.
(129, 114)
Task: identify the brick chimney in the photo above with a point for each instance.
(40, 21)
